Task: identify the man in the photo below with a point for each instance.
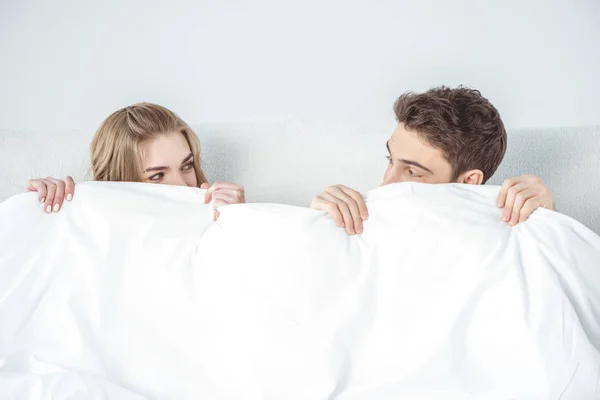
(443, 136)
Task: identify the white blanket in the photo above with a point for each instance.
(131, 292)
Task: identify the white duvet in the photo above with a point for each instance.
(132, 292)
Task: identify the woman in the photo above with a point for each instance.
(142, 143)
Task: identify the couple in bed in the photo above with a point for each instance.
(443, 136)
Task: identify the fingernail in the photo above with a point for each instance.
(56, 207)
(49, 208)
(504, 218)
(43, 200)
(69, 197)
(499, 204)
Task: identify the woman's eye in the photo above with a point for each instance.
(389, 159)
(157, 177)
(188, 166)
(412, 174)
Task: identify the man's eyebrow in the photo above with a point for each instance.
(187, 158)
(416, 164)
(409, 162)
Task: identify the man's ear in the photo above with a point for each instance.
(472, 177)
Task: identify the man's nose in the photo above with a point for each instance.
(391, 177)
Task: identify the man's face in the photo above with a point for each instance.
(411, 159)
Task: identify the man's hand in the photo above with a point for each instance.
(346, 206)
(521, 196)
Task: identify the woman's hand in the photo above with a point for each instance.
(222, 194)
(52, 192)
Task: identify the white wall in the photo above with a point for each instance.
(68, 64)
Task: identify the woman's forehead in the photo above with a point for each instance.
(166, 148)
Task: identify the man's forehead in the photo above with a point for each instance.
(405, 144)
(409, 143)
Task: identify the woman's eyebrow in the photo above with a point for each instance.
(161, 168)
(187, 158)
(156, 169)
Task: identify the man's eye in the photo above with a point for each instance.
(412, 174)
(157, 177)
(389, 159)
(188, 166)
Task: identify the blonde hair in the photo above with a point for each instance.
(116, 150)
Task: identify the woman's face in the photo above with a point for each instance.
(168, 159)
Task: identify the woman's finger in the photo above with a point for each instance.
(59, 194)
(37, 185)
(69, 188)
(51, 187)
